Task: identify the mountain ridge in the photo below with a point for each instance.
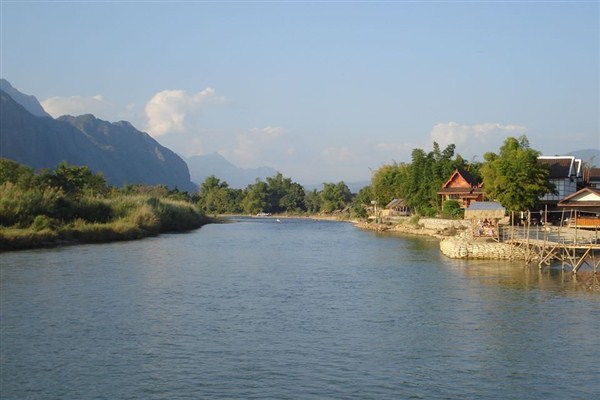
(30, 103)
(118, 150)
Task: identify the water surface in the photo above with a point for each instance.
(297, 309)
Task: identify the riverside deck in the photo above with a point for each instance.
(573, 248)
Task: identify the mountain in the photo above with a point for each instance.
(587, 155)
(117, 150)
(30, 103)
(201, 167)
(353, 186)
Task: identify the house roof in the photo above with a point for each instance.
(586, 197)
(397, 203)
(485, 205)
(561, 167)
(594, 175)
(466, 176)
(484, 209)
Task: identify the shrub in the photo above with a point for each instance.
(41, 222)
(452, 209)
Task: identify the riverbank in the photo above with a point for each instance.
(455, 236)
(137, 217)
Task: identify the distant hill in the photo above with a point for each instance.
(30, 103)
(201, 167)
(587, 155)
(353, 186)
(118, 150)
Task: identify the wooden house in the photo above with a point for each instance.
(396, 208)
(593, 178)
(583, 208)
(462, 187)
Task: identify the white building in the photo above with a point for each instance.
(565, 174)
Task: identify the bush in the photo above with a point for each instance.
(41, 222)
(93, 210)
(452, 209)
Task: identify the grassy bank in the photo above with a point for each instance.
(72, 205)
(125, 218)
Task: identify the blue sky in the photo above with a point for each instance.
(321, 91)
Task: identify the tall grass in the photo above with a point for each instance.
(39, 217)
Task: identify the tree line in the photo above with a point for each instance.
(67, 193)
(512, 177)
(275, 195)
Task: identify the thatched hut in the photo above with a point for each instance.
(395, 208)
(484, 216)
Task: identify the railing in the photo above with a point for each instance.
(560, 235)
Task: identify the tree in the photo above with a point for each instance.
(214, 196)
(74, 180)
(12, 171)
(425, 176)
(335, 196)
(293, 200)
(388, 182)
(256, 198)
(312, 201)
(514, 177)
(361, 201)
(284, 195)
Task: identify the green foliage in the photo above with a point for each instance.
(426, 174)
(418, 182)
(256, 198)
(312, 201)
(74, 180)
(20, 175)
(18, 206)
(387, 183)
(276, 195)
(514, 177)
(216, 197)
(71, 203)
(335, 196)
(361, 201)
(452, 209)
(41, 222)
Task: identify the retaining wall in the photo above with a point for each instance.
(459, 247)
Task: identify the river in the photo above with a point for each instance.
(303, 309)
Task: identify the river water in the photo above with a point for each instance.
(297, 309)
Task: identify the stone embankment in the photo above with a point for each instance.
(462, 246)
(456, 239)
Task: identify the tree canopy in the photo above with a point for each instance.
(514, 177)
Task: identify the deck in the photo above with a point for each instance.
(572, 248)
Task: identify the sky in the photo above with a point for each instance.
(320, 91)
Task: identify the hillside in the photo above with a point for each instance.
(117, 150)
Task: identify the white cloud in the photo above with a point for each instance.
(474, 138)
(169, 111)
(78, 105)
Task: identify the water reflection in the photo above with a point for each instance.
(516, 275)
